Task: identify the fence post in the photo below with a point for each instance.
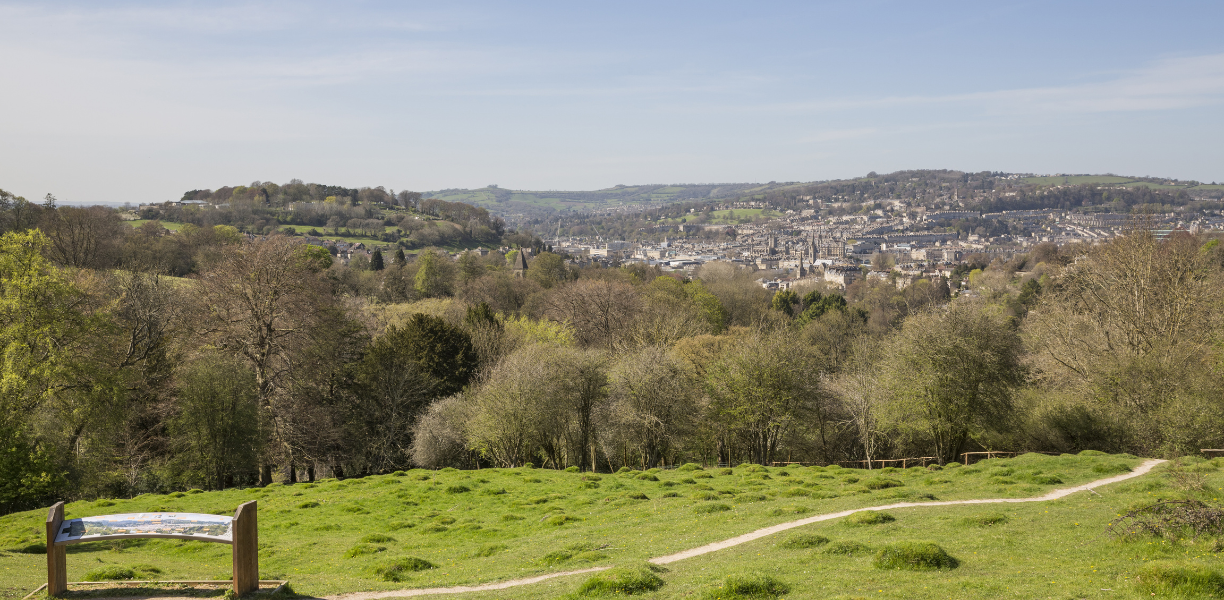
(246, 548)
(57, 563)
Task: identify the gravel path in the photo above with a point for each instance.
(747, 537)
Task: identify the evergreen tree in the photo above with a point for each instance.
(400, 260)
(376, 261)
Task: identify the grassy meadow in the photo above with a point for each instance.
(489, 525)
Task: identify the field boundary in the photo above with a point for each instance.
(1142, 469)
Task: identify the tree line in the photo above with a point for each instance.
(274, 363)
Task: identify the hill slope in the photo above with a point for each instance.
(497, 524)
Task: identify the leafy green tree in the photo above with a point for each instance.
(470, 268)
(395, 388)
(760, 392)
(952, 375)
(215, 428)
(41, 336)
(784, 301)
(548, 270)
(443, 351)
(435, 276)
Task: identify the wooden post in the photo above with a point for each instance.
(57, 564)
(246, 548)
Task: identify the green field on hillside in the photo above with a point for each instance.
(732, 216)
(497, 524)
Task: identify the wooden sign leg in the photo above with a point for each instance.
(57, 563)
(246, 548)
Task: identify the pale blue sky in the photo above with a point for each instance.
(112, 101)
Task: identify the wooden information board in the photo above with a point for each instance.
(241, 532)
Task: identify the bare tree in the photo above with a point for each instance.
(261, 301)
(597, 310)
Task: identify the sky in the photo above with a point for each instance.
(142, 101)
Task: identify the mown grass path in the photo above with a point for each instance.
(1056, 494)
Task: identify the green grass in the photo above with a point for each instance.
(478, 537)
(171, 225)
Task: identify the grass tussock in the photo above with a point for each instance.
(914, 556)
(622, 581)
(398, 569)
(750, 586)
(1164, 579)
(847, 548)
(117, 573)
(802, 541)
(868, 517)
(986, 519)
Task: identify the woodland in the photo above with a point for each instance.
(271, 362)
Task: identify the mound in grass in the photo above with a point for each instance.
(622, 581)
(457, 489)
(801, 541)
(1111, 468)
(1093, 453)
(983, 519)
(914, 556)
(846, 547)
(881, 483)
(1187, 581)
(117, 573)
(689, 467)
(399, 568)
(488, 550)
(377, 538)
(752, 585)
(363, 549)
(712, 508)
(869, 517)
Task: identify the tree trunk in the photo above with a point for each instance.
(265, 474)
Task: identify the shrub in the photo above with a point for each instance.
(881, 483)
(397, 569)
(1165, 579)
(623, 580)
(869, 517)
(801, 541)
(753, 585)
(712, 508)
(528, 466)
(984, 519)
(310, 504)
(847, 547)
(457, 489)
(1171, 519)
(915, 556)
(572, 469)
(363, 549)
(377, 538)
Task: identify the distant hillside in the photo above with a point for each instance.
(901, 184)
(535, 203)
